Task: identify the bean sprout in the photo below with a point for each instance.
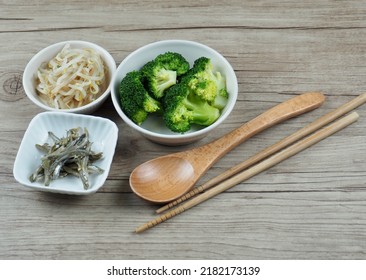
(73, 78)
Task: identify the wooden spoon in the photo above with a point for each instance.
(168, 177)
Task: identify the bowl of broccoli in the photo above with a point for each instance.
(174, 92)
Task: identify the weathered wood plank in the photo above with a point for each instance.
(254, 225)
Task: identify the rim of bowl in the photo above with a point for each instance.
(28, 75)
(229, 107)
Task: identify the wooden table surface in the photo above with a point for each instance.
(312, 206)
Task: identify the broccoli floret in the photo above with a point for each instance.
(205, 83)
(222, 95)
(132, 110)
(135, 100)
(220, 100)
(158, 79)
(174, 61)
(183, 108)
(162, 72)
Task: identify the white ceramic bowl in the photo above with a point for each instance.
(103, 134)
(154, 128)
(46, 54)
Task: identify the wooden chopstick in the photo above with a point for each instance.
(248, 173)
(320, 122)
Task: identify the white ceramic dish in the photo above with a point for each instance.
(45, 55)
(103, 134)
(154, 128)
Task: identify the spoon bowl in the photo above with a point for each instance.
(178, 172)
(166, 178)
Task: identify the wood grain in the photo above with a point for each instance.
(312, 206)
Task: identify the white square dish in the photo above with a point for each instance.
(103, 134)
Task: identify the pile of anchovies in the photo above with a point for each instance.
(70, 155)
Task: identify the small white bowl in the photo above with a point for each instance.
(103, 134)
(154, 128)
(45, 55)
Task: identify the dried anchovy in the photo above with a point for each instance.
(70, 155)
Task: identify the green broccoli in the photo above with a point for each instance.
(158, 79)
(173, 61)
(205, 83)
(135, 100)
(162, 72)
(183, 108)
(183, 96)
(222, 95)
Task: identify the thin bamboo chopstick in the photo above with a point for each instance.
(264, 165)
(320, 122)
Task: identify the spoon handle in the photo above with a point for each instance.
(293, 107)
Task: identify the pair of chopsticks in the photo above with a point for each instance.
(265, 159)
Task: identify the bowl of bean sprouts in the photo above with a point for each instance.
(69, 76)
